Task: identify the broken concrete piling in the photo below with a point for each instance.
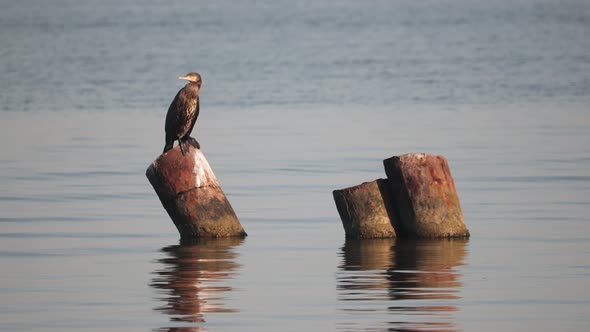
(425, 196)
(420, 201)
(365, 210)
(192, 196)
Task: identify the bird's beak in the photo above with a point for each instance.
(183, 78)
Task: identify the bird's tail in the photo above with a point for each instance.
(168, 146)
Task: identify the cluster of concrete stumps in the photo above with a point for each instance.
(417, 200)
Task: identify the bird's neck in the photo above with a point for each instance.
(193, 87)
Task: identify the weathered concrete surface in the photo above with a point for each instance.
(365, 210)
(192, 196)
(424, 196)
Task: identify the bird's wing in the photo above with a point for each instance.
(194, 119)
(172, 116)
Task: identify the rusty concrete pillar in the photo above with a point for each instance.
(365, 210)
(192, 196)
(424, 196)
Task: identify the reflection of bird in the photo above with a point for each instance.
(183, 113)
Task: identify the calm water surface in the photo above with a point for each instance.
(298, 99)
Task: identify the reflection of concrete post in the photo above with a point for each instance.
(192, 196)
(427, 266)
(361, 255)
(191, 278)
(404, 272)
(365, 255)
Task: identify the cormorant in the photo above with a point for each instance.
(182, 114)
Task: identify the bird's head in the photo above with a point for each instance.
(192, 77)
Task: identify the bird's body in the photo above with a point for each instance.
(182, 114)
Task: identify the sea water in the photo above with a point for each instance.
(298, 99)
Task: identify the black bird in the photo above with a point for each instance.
(182, 114)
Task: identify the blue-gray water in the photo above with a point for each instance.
(299, 98)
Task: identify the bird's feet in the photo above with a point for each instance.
(193, 142)
(185, 142)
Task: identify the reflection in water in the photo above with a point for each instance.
(406, 285)
(191, 279)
